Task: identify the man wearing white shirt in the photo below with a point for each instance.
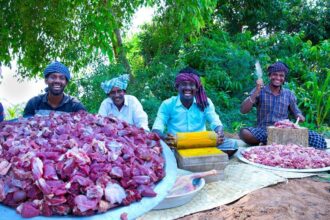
(125, 107)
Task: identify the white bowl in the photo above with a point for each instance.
(172, 201)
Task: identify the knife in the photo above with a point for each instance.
(258, 70)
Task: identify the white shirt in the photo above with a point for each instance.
(132, 111)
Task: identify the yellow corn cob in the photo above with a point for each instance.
(196, 139)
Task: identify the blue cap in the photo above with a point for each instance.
(57, 67)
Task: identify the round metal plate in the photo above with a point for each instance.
(242, 158)
(133, 211)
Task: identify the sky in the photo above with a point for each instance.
(13, 92)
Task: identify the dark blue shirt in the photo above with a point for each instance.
(1, 113)
(40, 103)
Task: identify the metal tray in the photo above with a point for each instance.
(242, 158)
(133, 211)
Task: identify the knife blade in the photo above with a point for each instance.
(258, 69)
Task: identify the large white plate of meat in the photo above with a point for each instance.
(66, 165)
(290, 157)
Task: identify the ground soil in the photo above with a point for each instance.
(297, 199)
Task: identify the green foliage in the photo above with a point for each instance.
(314, 97)
(187, 15)
(78, 32)
(88, 88)
(254, 15)
(308, 17)
(321, 96)
(227, 66)
(221, 39)
(309, 73)
(269, 16)
(13, 112)
(151, 106)
(152, 85)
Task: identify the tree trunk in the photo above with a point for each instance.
(284, 136)
(120, 53)
(117, 44)
(115, 48)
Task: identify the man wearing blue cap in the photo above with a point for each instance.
(57, 76)
(274, 103)
(123, 106)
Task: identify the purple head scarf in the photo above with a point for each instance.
(201, 98)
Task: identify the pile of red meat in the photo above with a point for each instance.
(76, 163)
(285, 124)
(288, 156)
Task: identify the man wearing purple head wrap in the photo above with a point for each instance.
(189, 112)
(274, 103)
(57, 76)
(200, 95)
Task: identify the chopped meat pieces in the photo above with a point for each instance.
(76, 163)
(288, 156)
(285, 124)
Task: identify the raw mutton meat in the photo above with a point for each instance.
(285, 124)
(76, 163)
(288, 156)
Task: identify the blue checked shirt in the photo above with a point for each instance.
(177, 118)
(272, 108)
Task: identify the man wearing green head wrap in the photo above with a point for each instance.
(123, 106)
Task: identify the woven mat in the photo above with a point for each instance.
(240, 179)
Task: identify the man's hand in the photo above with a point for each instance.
(301, 118)
(259, 86)
(170, 140)
(248, 103)
(220, 135)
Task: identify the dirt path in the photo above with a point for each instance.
(298, 199)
